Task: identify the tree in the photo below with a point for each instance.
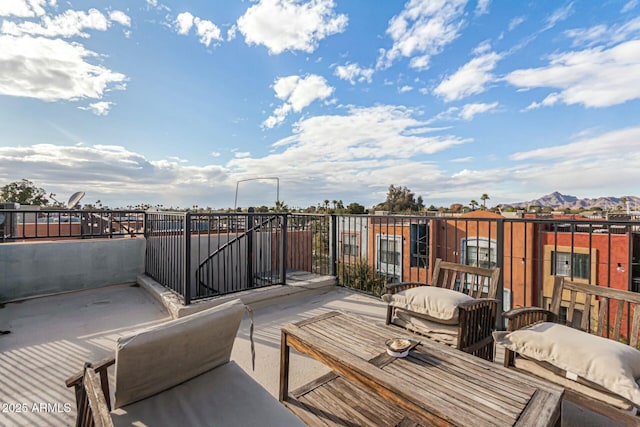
(401, 199)
(473, 205)
(23, 192)
(280, 206)
(484, 199)
(355, 208)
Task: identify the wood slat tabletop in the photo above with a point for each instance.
(433, 385)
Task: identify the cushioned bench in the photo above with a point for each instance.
(596, 360)
(178, 373)
(457, 308)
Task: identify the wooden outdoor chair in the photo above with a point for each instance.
(457, 308)
(591, 352)
(178, 373)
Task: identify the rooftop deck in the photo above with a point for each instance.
(51, 338)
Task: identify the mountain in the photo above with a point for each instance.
(562, 201)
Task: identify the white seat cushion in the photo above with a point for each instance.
(608, 363)
(439, 304)
(162, 356)
(224, 396)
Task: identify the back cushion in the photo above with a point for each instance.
(162, 356)
(438, 304)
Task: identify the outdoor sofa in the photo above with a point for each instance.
(178, 373)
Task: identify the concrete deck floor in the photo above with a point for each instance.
(52, 337)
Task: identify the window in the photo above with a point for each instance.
(419, 245)
(389, 256)
(349, 245)
(390, 252)
(574, 265)
(480, 252)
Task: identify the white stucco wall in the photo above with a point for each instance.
(38, 268)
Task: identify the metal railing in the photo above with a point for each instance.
(237, 252)
(220, 254)
(22, 224)
(167, 254)
(375, 250)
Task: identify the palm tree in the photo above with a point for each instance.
(473, 205)
(484, 199)
(326, 205)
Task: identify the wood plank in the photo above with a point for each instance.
(448, 387)
(318, 318)
(367, 375)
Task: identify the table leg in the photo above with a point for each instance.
(284, 367)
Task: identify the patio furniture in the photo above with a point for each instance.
(178, 373)
(457, 308)
(434, 385)
(588, 352)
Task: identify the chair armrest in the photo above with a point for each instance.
(476, 322)
(393, 288)
(521, 317)
(98, 367)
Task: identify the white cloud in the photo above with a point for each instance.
(516, 22)
(624, 141)
(282, 25)
(297, 93)
(482, 7)
(120, 17)
(559, 15)
(405, 89)
(594, 77)
(462, 159)
(366, 147)
(184, 22)
(70, 23)
(101, 108)
(115, 174)
(207, 30)
(422, 30)
(471, 110)
(231, 32)
(630, 5)
(52, 70)
(483, 47)
(353, 73)
(23, 8)
(616, 150)
(602, 34)
(470, 79)
(215, 154)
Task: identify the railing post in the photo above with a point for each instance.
(333, 243)
(500, 263)
(186, 280)
(283, 248)
(249, 230)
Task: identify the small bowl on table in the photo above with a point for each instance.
(398, 347)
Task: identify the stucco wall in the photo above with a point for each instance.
(30, 269)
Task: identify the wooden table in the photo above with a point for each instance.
(434, 385)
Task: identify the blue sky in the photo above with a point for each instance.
(173, 103)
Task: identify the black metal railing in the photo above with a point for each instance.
(167, 255)
(237, 252)
(23, 224)
(374, 250)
